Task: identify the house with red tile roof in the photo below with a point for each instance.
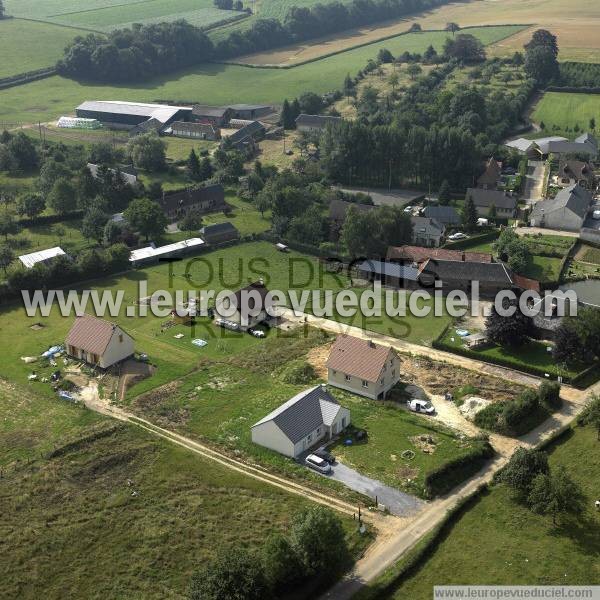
(98, 342)
(363, 367)
(419, 254)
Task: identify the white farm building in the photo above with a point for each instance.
(310, 417)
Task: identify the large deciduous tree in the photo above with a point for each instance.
(146, 217)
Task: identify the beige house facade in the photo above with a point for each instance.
(363, 367)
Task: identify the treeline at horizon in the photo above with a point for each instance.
(144, 51)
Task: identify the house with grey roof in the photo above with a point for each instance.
(310, 123)
(506, 205)
(566, 212)
(584, 144)
(199, 131)
(311, 417)
(213, 115)
(446, 215)
(388, 273)
(247, 135)
(427, 232)
(219, 233)
(455, 275)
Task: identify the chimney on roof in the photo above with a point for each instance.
(371, 344)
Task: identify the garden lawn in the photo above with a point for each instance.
(390, 427)
(533, 354)
(230, 268)
(500, 542)
(561, 112)
(217, 83)
(28, 46)
(546, 269)
(62, 514)
(410, 328)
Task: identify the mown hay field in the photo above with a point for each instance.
(575, 23)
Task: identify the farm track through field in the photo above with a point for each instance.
(234, 464)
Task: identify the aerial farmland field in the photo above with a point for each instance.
(97, 16)
(566, 112)
(27, 45)
(217, 83)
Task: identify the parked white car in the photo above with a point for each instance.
(318, 464)
(458, 236)
(421, 406)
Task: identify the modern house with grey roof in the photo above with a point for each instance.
(566, 212)
(311, 417)
(506, 206)
(446, 215)
(427, 232)
(309, 123)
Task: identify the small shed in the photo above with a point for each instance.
(219, 233)
(475, 340)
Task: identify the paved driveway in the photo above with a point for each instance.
(397, 502)
(534, 182)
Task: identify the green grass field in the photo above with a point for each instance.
(104, 16)
(533, 354)
(62, 515)
(392, 429)
(28, 46)
(499, 542)
(215, 83)
(562, 112)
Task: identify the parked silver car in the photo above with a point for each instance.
(318, 464)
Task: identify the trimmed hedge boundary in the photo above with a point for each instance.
(28, 77)
(449, 475)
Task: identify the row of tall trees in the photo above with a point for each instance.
(303, 23)
(137, 53)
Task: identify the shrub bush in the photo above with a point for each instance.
(450, 474)
(549, 394)
(298, 372)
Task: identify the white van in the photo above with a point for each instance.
(318, 464)
(421, 406)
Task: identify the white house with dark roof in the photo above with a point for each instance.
(363, 367)
(98, 342)
(566, 212)
(310, 417)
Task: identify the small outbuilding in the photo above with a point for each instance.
(313, 416)
(41, 256)
(219, 233)
(98, 342)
